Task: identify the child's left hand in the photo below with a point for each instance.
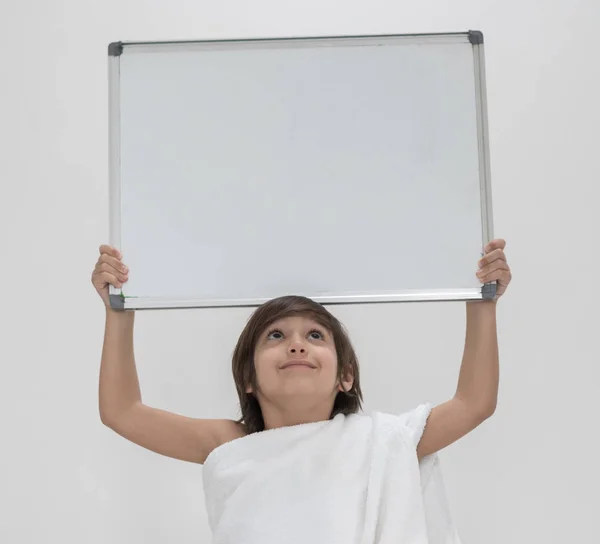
(493, 266)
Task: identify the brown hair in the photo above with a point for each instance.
(244, 372)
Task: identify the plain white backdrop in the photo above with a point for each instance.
(529, 474)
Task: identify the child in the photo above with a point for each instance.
(301, 464)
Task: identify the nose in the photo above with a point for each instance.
(297, 347)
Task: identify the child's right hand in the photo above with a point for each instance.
(109, 270)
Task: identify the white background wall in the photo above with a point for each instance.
(527, 475)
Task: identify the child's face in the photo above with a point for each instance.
(296, 364)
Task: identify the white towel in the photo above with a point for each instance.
(353, 480)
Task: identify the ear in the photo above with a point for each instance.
(347, 380)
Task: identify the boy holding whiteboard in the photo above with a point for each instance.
(301, 464)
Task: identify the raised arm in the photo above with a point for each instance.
(120, 399)
(119, 387)
(477, 390)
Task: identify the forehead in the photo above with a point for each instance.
(296, 321)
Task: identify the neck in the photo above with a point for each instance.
(276, 416)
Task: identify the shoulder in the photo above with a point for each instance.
(414, 421)
(410, 425)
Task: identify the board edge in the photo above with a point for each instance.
(476, 37)
(115, 49)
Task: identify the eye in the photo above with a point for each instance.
(319, 333)
(276, 334)
(275, 331)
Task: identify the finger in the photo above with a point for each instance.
(107, 277)
(496, 254)
(498, 264)
(110, 250)
(501, 274)
(112, 261)
(497, 243)
(107, 267)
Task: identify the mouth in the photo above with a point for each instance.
(297, 364)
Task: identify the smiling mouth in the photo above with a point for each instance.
(298, 364)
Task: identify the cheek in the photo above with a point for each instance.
(328, 359)
(265, 362)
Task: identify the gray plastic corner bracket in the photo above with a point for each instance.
(476, 37)
(115, 49)
(488, 291)
(117, 302)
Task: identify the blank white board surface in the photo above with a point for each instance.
(346, 169)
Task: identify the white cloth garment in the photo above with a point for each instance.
(350, 480)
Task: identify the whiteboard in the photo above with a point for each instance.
(345, 169)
